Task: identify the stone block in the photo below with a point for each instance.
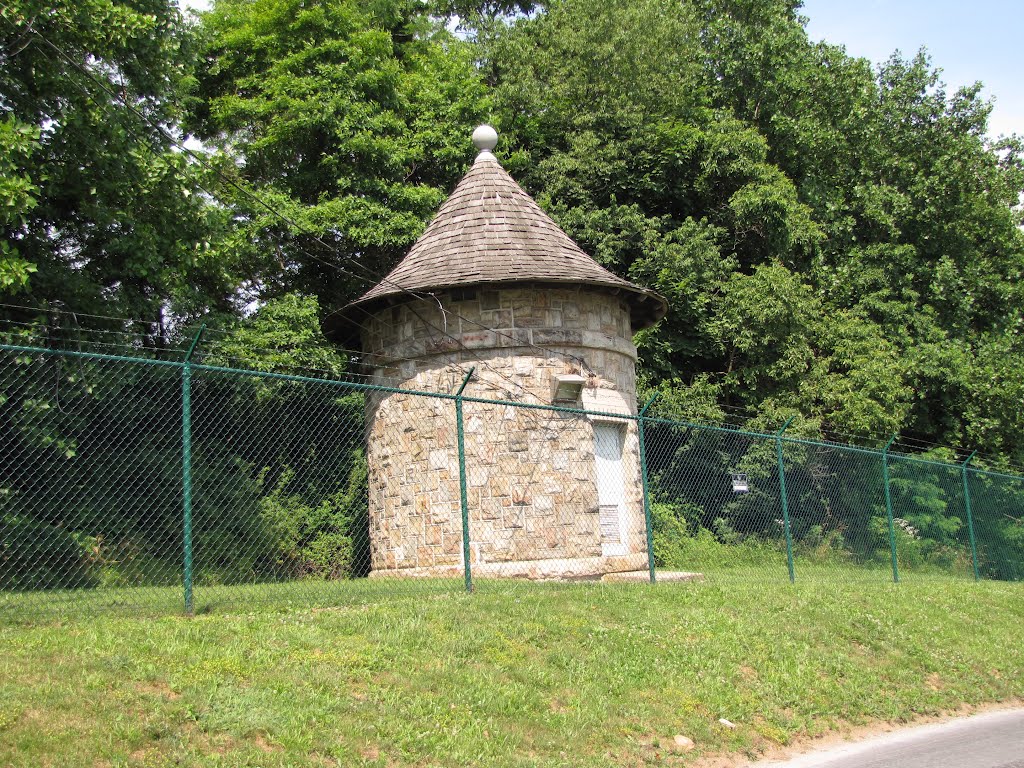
(452, 542)
(523, 366)
(500, 319)
(438, 459)
(514, 517)
(424, 556)
(518, 441)
(489, 300)
(533, 319)
(524, 548)
(486, 454)
(443, 513)
(552, 485)
(422, 506)
(479, 340)
(562, 336)
(490, 509)
(514, 337)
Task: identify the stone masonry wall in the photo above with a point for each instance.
(531, 477)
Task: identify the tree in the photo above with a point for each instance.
(100, 214)
(350, 119)
(831, 239)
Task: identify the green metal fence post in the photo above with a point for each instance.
(888, 509)
(643, 483)
(186, 470)
(785, 500)
(463, 493)
(970, 516)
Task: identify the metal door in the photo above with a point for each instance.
(611, 487)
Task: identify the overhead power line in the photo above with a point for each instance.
(367, 273)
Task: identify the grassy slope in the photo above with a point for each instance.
(511, 676)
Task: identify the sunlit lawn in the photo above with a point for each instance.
(421, 674)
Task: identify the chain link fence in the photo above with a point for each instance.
(159, 486)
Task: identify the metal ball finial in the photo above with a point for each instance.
(485, 138)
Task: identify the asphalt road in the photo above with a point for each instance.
(993, 740)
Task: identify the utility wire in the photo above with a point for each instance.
(516, 389)
(260, 203)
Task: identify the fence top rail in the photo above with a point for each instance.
(356, 386)
(362, 387)
(766, 436)
(918, 460)
(993, 473)
(181, 364)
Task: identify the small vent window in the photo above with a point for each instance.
(610, 524)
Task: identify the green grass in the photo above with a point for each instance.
(514, 675)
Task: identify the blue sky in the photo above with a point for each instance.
(980, 40)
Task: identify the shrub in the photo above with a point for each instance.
(679, 544)
(325, 537)
(39, 555)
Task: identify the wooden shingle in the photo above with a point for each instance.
(490, 232)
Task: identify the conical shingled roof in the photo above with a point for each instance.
(490, 232)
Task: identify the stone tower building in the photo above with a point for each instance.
(495, 285)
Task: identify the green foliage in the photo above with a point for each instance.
(836, 506)
(284, 334)
(17, 141)
(278, 483)
(820, 547)
(831, 240)
(350, 118)
(96, 210)
(326, 540)
(914, 551)
(679, 545)
(669, 533)
(38, 555)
